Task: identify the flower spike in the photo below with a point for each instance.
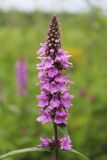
(54, 98)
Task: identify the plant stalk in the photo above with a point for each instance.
(56, 153)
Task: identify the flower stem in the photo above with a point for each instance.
(56, 141)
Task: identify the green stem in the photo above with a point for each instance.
(56, 141)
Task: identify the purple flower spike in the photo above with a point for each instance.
(21, 76)
(54, 99)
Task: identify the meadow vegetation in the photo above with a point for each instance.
(85, 36)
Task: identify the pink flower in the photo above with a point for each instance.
(54, 101)
(65, 143)
(48, 62)
(45, 142)
(42, 49)
(45, 116)
(52, 71)
(61, 117)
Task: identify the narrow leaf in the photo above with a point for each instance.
(79, 155)
(33, 149)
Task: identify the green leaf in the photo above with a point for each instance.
(64, 130)
(79, 155)
(33, 149)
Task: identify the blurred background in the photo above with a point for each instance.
(23, 26)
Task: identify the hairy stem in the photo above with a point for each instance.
(56, 141)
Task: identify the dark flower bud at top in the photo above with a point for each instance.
(54, 34)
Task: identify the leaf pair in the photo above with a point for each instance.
(34, 149)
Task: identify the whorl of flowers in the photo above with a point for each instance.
(54, 98)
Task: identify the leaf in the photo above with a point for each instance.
(79, 155)
(64, 130)
(33, 149)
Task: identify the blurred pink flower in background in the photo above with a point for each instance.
(21, 76)
(1, 91)
(1, 98)
(93, 98)
(83, 92)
